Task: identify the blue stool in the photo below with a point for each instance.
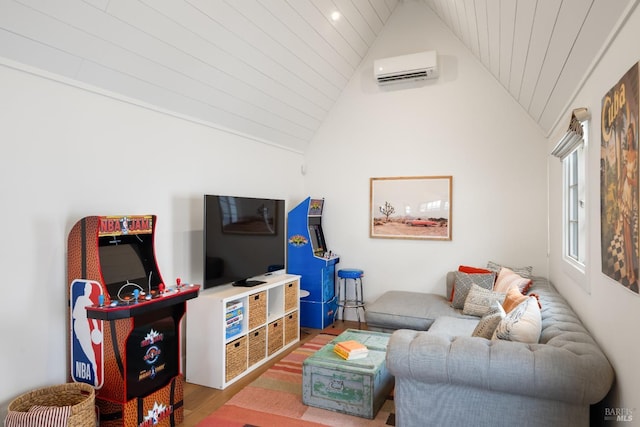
(343, 301)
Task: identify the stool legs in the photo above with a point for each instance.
(343, 300)
(359, 298)
(339, 300)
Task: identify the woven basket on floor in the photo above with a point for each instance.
(79, 397)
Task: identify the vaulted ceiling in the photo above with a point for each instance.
(272, 69)
(540, 51)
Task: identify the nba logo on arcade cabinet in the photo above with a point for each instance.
(87, 365)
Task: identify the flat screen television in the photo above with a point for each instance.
(244, 238)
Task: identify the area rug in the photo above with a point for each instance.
(275, 399)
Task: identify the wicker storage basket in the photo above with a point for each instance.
(290, 296)
(79, 397)
(257, 345)
(275, 336)
(236, 358)
(257, 309)
(291, 327)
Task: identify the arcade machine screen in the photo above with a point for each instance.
(315, 227)
(317, 237)
(127, 264)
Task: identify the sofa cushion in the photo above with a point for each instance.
(513, 299)
(522, 324)
(479, 300)
(454, 326)
(473, 270)
(463, 284)
(407, 310)
(507, 279)
(489, 322)
(525, 272)
(465, 269)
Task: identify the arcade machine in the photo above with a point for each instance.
(307, 255)
(124, 323)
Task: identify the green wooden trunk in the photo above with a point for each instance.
(357, 387)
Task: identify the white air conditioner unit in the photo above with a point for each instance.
(416, 66)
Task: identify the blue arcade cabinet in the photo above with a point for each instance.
(307, 255)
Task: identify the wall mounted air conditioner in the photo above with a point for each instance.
(416, 66)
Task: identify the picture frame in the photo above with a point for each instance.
(411, 207)
(619, 211)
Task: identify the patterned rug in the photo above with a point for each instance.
(275, 399)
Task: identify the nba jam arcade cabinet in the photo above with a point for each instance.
(124, 322)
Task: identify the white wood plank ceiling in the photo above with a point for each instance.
(272, 69)
(540, 51)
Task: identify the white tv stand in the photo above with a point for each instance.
(233, 330)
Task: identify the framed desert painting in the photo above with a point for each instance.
(416, 207)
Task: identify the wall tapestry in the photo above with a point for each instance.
(619, 181)
(416, 207)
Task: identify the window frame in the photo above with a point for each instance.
(575, 236)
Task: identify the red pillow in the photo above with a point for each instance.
(472, 270)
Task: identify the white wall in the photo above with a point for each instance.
(609, 311)
(69, 153)
(464, 124)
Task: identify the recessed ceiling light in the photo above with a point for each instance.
(335, 16)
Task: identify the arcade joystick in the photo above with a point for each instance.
(101, 300)
(178, 282)
(136, 294)
(161, 288)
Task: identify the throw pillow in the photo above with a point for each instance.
(508, 278)
(463, 283)
(522, 324)
(489, 322)
(473, 270)
(39, 415)
(479, 300)
(525, 272)
(469, 270)
(513, 299)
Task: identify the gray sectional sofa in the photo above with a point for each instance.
(446, 377)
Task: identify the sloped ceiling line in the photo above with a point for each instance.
(273, 69)
(539, 51)
(268, 68)
(564, 63)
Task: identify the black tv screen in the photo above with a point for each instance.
(244, 237)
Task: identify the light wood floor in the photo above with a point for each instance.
(200, 401)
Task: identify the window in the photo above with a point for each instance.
(572, 150)
(574, 210)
